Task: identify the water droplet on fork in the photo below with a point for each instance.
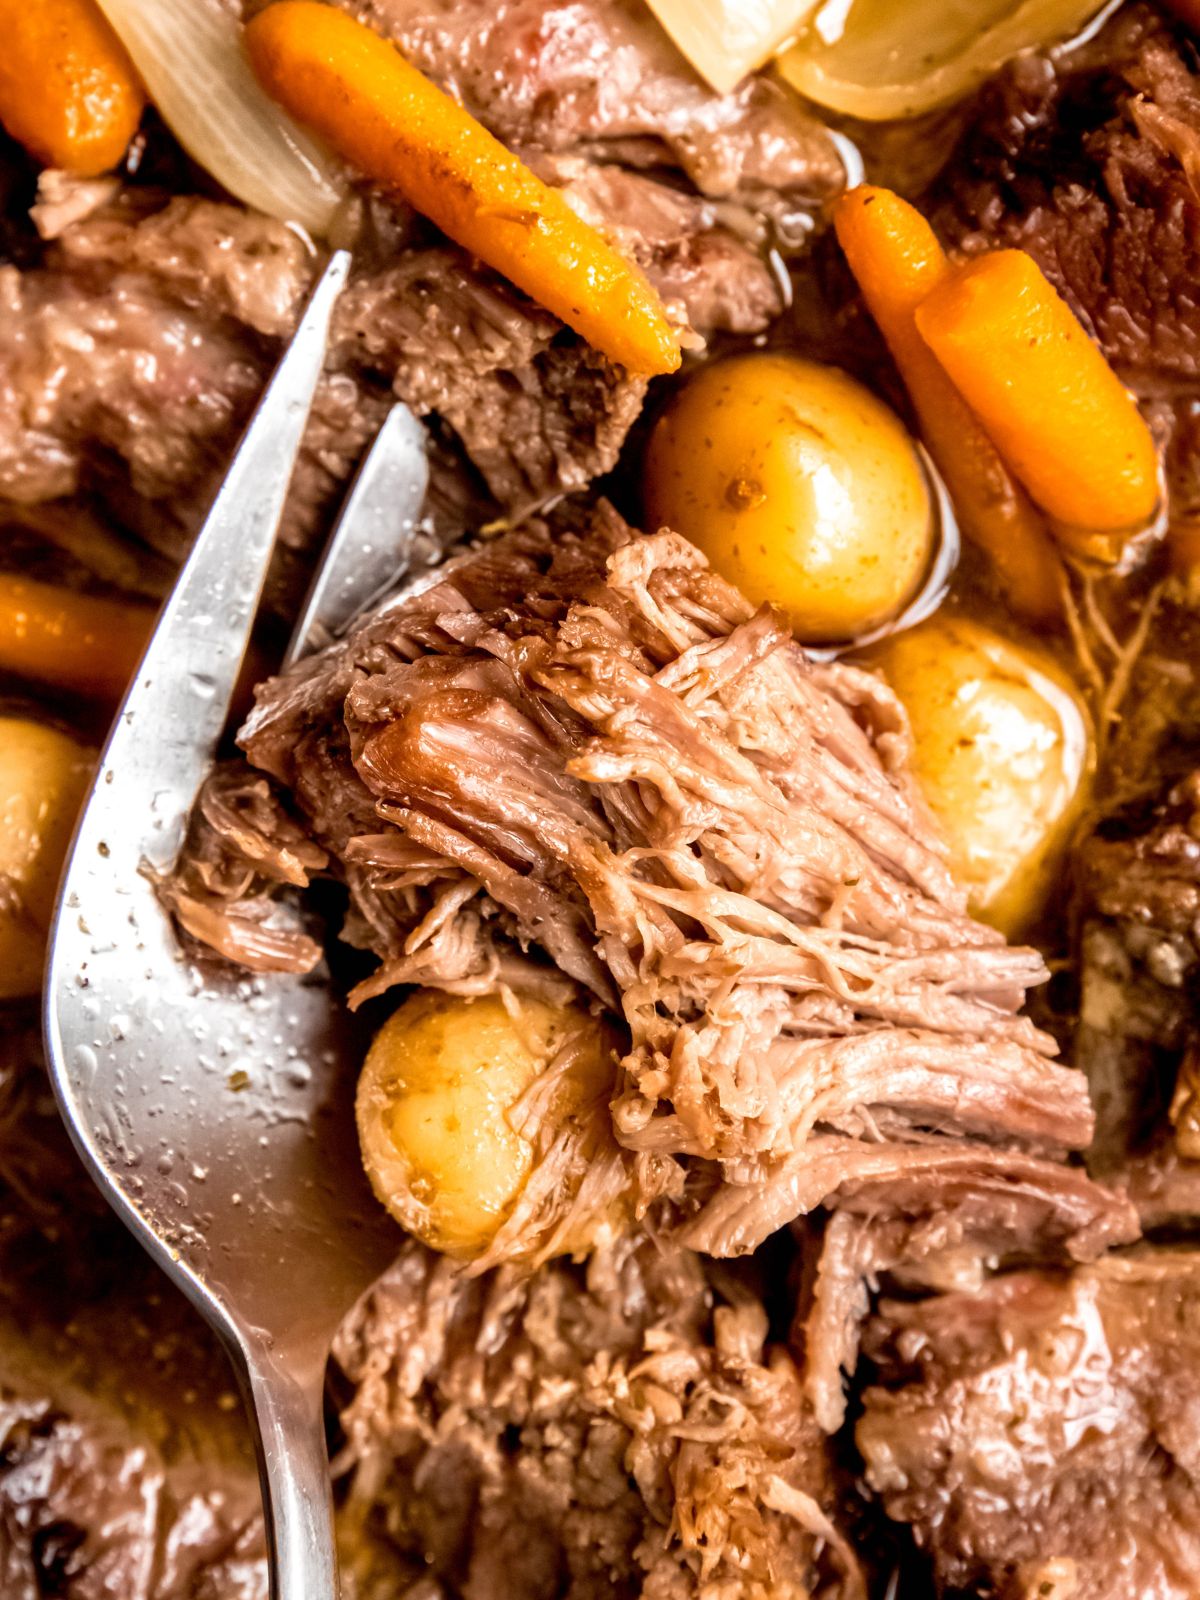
(86, 1060)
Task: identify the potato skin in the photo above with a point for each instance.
(43, 777)
(432, 1107)
(1004, 755)
(800, 487)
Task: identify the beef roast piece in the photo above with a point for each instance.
(937, 1221)
(602, 78)
(538, 412)
(130, 360)
(1136, 922)
(1042, 1434)
(132, 352)
(582, 742)
(126, 1468)
(1090, 160)
(616, 1431)
(1138, 1035)
(703, 255)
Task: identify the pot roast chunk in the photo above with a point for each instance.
(1138, 1035)
(130, 360)
(1042, 1434)
(577, 755)
(939, 1220)
(596, 1434)
(1090, 160)
(602, 78)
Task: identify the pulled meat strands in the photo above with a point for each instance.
(592, 745)
(1046, 1424)
(241, 845)
(622, 1430)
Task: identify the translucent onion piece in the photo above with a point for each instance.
(885, 59)
(189, 53)
(726, 39)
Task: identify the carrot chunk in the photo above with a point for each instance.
(1053, 406)
(82, 643)
(1183, 542)
(898, 262)
(387, 120)
(68, 91)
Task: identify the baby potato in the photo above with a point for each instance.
(433, 1100)
(43, 776)
(799, 486)
(1003, 754)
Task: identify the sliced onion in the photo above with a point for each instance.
(189, 54)
(726, 39)
(885, 59)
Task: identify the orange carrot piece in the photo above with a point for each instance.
(78, 642)
(68, 91)
(1054, 408)
(386, 119)
(898, 261)
(1183, 542)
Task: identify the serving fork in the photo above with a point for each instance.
(216, 1113)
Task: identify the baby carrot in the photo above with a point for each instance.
(1053, 406)
(897, 262)
(68, 91)
(1183, 542)
(386, 119)
(77, 642)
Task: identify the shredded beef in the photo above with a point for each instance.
(1042, 1434)
(590, 745)
(616, 1431)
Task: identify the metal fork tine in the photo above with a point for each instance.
(255, 1203)
(167, 731)
(372, 542)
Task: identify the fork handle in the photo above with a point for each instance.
(294, 1469)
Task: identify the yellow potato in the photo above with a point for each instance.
(43, 776)
(1003, 754)
(801, 488)
(433, 1100)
